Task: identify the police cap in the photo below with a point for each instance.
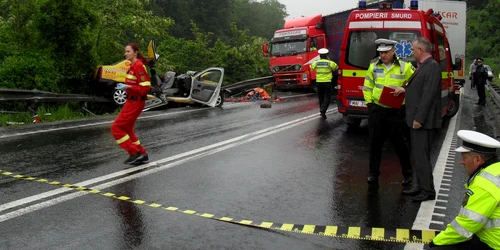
(479, 59)
(385, 44)
(323, 51)
(477, 142)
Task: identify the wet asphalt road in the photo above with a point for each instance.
(312, 172)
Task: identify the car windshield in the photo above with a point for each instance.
(362, 48)
(288, 48)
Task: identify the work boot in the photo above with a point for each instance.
(131, 158)
(323, 115)
(140, 159)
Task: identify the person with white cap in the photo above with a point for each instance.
(387, 70)
(324, 73)
(479, 77)
(477, 226)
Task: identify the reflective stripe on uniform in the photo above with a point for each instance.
(145, 84)
(123, 139)
(494, 179)
(369, 79)
(394, 76)
(460, 230)
(380, 86)
(473, 215)
(379, 74)
(367, 89)
(137, 143)
(492, 224)
(323, 64)
(323, 73)
(354, 73)
(131, 77)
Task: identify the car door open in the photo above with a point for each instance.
(206, 86)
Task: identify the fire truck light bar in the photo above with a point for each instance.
(362, 4)
(414, 5)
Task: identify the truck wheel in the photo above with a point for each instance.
(119, 96)
(220, 99)
(453, 106)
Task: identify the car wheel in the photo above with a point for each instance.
(119, 96)
(220, 99)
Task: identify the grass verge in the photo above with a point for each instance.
(47, 113)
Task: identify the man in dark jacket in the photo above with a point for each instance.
(479, 77)
(423, 116)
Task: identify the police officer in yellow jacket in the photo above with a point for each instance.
(324, 69)
(386, 71)
(477, 225)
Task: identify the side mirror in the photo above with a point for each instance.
(265, 49)
(458, 64)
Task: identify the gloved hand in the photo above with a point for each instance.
(122, 86)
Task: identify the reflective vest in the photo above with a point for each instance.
(378, 77)
(324, 68)
(480, 212)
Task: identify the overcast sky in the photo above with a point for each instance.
(298, 8)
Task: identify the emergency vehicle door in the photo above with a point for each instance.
(207, 85)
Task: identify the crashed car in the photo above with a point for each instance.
(202, 87)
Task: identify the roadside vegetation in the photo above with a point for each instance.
(48, 113)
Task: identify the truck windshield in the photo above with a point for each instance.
(362, 48)
(288, 48)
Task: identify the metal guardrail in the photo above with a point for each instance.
(250, 83)
(35, 96)
(38, 96)
(493, 93)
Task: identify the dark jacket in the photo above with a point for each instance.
(423, 96)
(480, 75)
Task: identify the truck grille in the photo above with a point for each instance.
(285, 68)
(288, 80)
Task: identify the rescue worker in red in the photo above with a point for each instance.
(137, 86)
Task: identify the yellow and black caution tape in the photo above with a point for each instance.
(360, 233)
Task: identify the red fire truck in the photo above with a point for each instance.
(293, 48)
(364, 26)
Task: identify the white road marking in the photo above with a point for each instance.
(437, 222)
(192, 155)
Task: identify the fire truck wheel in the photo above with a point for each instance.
(453, 106)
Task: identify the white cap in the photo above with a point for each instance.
(477, 142)
(385, 44)
(323, 51)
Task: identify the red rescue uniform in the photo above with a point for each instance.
(123, 127)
